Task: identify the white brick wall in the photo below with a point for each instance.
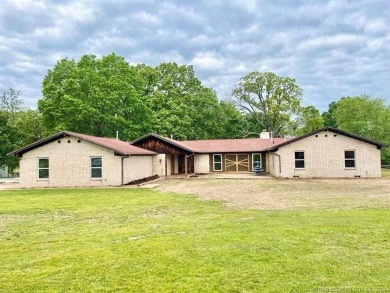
(137, 167)
(324, 157)
(159, 165)
(202, 163)
(69, 165)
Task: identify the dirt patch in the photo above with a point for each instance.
(287, 194)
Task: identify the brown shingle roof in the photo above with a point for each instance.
(242, 145)
(218, 145)
(118, 146)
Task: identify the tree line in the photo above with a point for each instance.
(99, 96)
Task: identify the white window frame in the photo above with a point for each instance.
(92, 167)
(253, 161)
(299, 160)
(221, 162)
(48, 169)
(350, 159)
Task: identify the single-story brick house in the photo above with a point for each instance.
(206, 156)
(73, 159)
(325, 153)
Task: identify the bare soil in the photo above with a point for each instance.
(286, 194)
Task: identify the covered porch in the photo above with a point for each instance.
(174, 158)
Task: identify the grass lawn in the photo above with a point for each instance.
(139, 240)
(385, 173)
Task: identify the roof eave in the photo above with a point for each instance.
(335, 130)
(170, 141)
(38, 143)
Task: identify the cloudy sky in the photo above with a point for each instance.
(332, 48)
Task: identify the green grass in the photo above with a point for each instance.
(138, 240)
(385, 173)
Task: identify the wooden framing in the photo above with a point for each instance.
(185, 158)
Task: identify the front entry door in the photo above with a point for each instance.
(190, 164)
(237, 163)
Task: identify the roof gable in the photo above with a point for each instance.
(118, 146)
(161, 144)
(330, 129)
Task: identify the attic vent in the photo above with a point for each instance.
(334, 135)
(59, 141)
(326, 135)
(316, 135)
(79, 140)
(68, 141)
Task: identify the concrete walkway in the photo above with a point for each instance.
(243, 175)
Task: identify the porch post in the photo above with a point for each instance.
(185, 164)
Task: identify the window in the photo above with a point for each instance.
(299, 160)
(349, 157)
(256, 161)
(217, 162)
(96, 167)
(43, 168)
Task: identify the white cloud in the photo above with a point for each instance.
(27, 5)
(147, 18)
(330, 41)
(77, 11)
(208, 61)
(329, 47)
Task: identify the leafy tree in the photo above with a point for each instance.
(365, 116)
(28, 127)
(94, 96)
(19, 125)
(231, 121)
(7, 141)
(308, 120)
(182, 106)
(329, 116)
(11, 102)
(270, 99)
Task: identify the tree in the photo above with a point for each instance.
(95, 96)
(231, 121)
(28, 127)
(11, 102)
(270, 99)
(182, 106)
(329, 116)
(308, 120)
(7, 141)
(365, 116)
(19, 125)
